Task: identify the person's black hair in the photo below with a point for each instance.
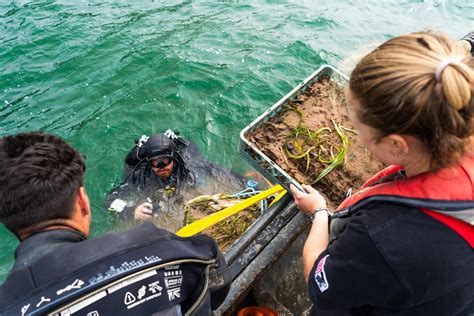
(40, 177)
(183, 172)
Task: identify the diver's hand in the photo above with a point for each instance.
(143, 211)
(307, 202)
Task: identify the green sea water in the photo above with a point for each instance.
(101, 73)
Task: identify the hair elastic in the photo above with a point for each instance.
(443, 64)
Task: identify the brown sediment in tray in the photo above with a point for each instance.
(320, 108)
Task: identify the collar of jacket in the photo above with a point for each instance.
(37, 245)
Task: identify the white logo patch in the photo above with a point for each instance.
(43, 299)
(141, 292)
(173, 281)
(320, 275)
(76, 285)
(24, 309)
(129, 298)
(155, 287)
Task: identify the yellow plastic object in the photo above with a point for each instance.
(279, 196)
(208, 221)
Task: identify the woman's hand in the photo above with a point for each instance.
(143, 211)
(307, 202)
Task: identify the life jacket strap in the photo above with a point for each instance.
(457, 215)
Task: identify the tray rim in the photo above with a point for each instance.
(274, 107)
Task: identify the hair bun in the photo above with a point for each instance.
(443, 64)
(457, 79)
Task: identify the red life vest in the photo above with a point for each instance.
(452, 184)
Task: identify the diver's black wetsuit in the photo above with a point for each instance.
(191, 171)
(141, 184)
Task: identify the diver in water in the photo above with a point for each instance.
(159, 170)
(155, 169)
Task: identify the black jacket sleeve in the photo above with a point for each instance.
(352, 272)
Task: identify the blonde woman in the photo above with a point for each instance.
(405, 246)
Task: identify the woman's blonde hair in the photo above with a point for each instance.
(399, 93)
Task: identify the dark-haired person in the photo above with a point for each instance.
(57, 269)
(405, 242)
(158, 171)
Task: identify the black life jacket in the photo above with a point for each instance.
(143, 271)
